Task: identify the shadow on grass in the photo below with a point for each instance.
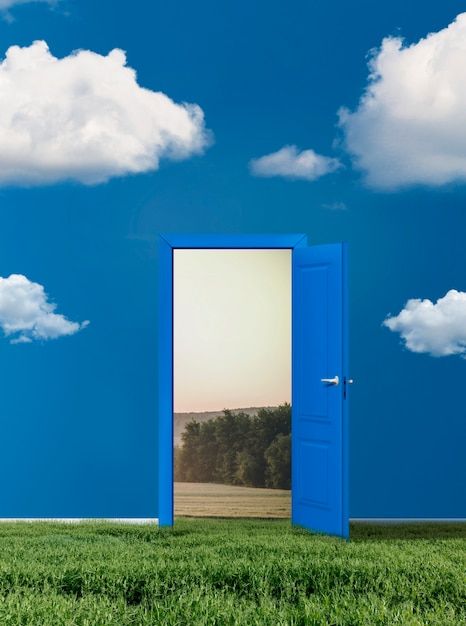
(366, 531)
(359, 531)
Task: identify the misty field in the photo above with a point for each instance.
(212, 500)
(231, 573)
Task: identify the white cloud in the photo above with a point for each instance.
(438, 329)
(27, 315)
(338, 205)
(7, 4)
(85, 118)
(289, 162)
(410, 124)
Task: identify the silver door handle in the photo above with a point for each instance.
(330, 381)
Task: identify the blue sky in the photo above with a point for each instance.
(265, 76)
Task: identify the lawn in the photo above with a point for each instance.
(226, 572)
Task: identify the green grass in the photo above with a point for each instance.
(223, 572)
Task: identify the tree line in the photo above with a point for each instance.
(238, 449)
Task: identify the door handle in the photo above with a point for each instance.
(330, 381)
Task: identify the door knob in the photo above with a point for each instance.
(330, 381)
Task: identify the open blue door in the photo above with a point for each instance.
(319, 429)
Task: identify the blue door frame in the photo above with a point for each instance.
(167, 244)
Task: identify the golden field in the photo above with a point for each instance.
(212, 500)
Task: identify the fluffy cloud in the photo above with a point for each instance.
(410, 124)
(438, 329)
(84, 117)
(289, 162)
(27, 315)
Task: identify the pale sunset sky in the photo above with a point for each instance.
(232, 329)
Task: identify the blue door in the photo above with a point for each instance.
(319, 429)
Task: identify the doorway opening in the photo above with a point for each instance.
(232, 382)
(319, 379)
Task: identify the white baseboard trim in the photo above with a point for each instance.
(79, 520)
(406, 520)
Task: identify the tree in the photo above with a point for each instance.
(278, 457)
(237, 449)
(188, 467)
(248, 470)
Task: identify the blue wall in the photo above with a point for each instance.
(78, 414)
(79, 433)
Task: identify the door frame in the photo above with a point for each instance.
(167, 243)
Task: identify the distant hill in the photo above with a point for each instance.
(181, 419)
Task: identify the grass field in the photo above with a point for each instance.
(211, 500)
(225, 573)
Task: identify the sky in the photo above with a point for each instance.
(342, 121)
(231, 329)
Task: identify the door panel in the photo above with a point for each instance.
(319, 414)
